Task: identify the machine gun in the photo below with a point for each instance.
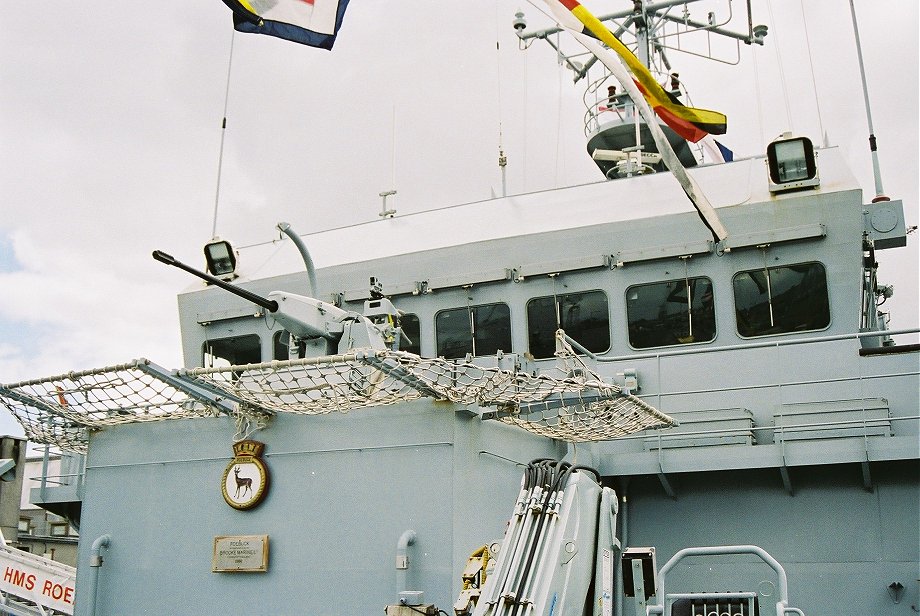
(307, 319)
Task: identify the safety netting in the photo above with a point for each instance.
(59, 410)
(571, 404)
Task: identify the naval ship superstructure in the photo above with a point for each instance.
(741, 405)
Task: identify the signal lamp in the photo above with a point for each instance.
(221, 259)
(791, 161)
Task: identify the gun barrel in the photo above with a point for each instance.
(258, 300)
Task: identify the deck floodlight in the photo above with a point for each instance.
(791, 161)
(221, 259)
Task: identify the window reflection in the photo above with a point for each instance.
(280, 342)
(412, 330)
(234, 351)
(670, 313)
(584, 317)
(783, 299)
(476, 330)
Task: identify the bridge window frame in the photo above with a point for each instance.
(478, 318)
(543, 347)
(776, 320)
(280, 349)
(693, 309)
(413, 332)
(251, 351)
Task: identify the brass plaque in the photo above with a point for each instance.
(240, 553)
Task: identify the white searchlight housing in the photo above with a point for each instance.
(221, 259)
(791, 164)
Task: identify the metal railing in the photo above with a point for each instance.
(661, 356)
(782, 605)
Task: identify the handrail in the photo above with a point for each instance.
(50, 478)
(648, 434)
(696, 349)
(781, 605)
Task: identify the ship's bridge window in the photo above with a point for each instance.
(474, 330)
(233, 351)
(412, 330)
(584, 317)
(670, 313)
(779, 300)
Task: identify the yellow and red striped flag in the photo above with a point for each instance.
(689, 122)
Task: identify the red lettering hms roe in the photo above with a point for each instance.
(58, 592)
(19, 578)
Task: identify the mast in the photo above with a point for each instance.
(879, 192)
(616, 135)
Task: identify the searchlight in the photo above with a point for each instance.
(221, 259)
(791, 162)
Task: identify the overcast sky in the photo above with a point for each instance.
(110, 137)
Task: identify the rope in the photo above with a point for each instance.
(811, 65)
(248, 423)
(782, 72)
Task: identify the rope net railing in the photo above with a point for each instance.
(589, 420)
(573, 404)
(59, 410)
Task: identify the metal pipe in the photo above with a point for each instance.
(95, 562)
(402, 559)
(45, 460)
(496, 581)
(536, 566)
(649, 8)
(307, 259)
(618, 592)
(511, 575)
(747, 39)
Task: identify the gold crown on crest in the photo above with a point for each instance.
(248, 448)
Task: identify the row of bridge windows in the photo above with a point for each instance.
(772, 300)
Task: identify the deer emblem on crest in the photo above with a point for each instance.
(242, 483)
(245, 480)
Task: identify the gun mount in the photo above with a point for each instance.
(308, 320)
